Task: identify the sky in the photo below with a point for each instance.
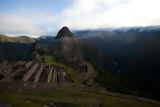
(39, 17)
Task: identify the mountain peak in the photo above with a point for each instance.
(64, 32)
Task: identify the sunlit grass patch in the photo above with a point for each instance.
(49, 60)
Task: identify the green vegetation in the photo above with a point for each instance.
(76, 98)
(18, 101)
(49, 60)
(20, 39)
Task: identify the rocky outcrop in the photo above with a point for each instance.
(35, 52)
(34, 56)
(64, 32)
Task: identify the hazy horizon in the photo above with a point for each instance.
(48, 16)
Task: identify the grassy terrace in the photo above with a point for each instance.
(49, 60)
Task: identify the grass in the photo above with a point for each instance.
(49, 60)
(91, 98)
(75, 98)
(17, 101)
(22, 39)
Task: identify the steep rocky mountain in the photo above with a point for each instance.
(64, 32)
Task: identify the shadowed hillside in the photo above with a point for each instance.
(13, 51)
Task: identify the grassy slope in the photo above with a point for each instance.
(76, 98)
(21, 39)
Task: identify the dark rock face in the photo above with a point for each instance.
(35, 56)
(35, 52)
(35, 47)
(64, 32)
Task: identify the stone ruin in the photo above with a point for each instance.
(33, 71)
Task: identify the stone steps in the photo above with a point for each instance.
(38, 74)
(44, 75)
(55, 78)
(50, 75)
(30, 72)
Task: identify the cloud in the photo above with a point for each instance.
(88, 14)
(14, 24)
(83, 14)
